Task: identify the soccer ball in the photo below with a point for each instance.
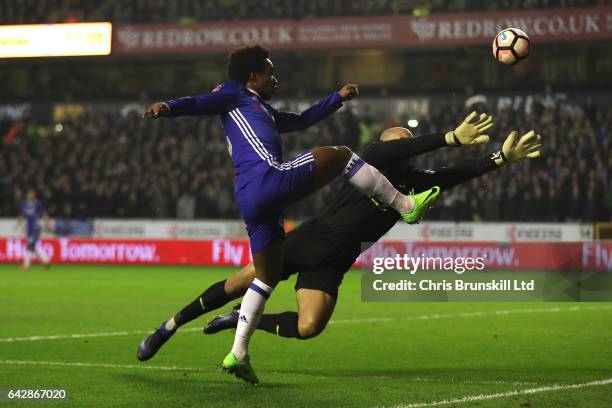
(510, 46)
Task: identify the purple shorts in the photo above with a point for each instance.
(263, 198)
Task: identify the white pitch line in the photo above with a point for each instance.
(485, 397)
(342, 321)
(474, 314)
(483, 382)
(86, 335)
(469, 398)
(103, 365)
(449, 380)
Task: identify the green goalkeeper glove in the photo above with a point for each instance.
(470, 131)
(528, 146)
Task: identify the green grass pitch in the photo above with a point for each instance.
(372, 355)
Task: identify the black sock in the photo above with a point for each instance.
(283, 324)
(213, 298)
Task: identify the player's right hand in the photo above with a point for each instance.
(470, 131)
(156, 110)
(349, 91)
(527, 147)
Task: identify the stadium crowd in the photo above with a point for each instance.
(188, 11)
(105, 164)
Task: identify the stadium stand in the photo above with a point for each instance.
(187, 11)
(103, 164)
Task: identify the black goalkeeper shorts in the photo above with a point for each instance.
(324, 278)
(319, 269)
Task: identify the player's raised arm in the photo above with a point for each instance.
(291, 122)
(528, 146)
(400, 146)
(213, 103)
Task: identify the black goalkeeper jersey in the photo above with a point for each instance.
(335, 237)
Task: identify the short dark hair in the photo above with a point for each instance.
(245, 60)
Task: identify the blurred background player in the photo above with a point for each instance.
(31, 213)
(266, 184)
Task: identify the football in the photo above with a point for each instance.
(510, 46)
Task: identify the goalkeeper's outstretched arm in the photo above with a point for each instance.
(527, 146)
(398, 143)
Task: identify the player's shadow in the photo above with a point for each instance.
(202, 388)
(187, 382)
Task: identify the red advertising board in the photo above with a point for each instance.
(575, 24)
(594, 255)
(135, 252)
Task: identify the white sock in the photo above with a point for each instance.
(251, 309)
(370, 181)
(27, 256)
(41, 255)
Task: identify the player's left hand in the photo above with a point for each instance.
(349, 91)
(470, 131)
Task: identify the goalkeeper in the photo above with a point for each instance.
(322, 249)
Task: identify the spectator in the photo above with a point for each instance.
(108, 165)
(188, 11)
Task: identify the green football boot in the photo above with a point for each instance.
(239, 369)
(422, 201)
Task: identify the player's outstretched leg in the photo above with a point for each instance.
(284, 324)
(333, 161)
(42, 256)
(315, 309)
(268, 269)
(216, 296)
(27, 257)
(149, 346)
(223, 322)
